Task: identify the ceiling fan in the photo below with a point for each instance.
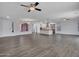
(32, 7)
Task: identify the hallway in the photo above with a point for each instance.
(37, 45)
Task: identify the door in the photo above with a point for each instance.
(53, 28)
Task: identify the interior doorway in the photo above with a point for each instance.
(53, 28)
(36, 28)
(24, 27)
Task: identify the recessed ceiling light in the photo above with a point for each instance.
(66, 19)
(8, 17)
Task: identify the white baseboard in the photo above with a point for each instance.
(15, 34)
(67, 33)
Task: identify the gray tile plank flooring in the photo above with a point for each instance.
(37, 45)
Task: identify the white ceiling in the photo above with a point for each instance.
(50, 10)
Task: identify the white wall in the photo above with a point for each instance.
(0, 27)
(17, 27)
(68, 27)
(6, 27)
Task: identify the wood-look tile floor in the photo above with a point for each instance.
(37, 45)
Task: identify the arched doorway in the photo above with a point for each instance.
(24, 27)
